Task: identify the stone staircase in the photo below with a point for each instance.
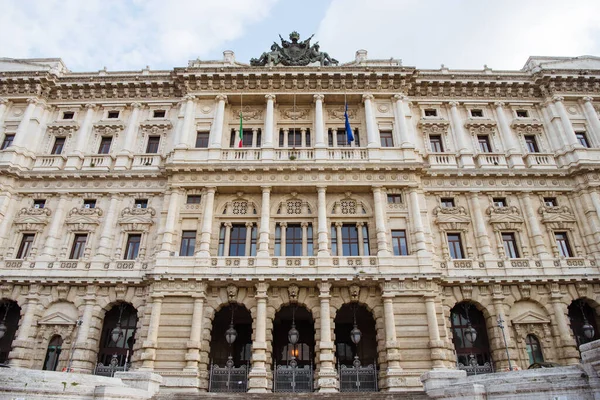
(293, 396)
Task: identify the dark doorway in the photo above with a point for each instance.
(345, 349)
(472, 355)
(303, 350)
(241, 349)
(10, 314)
(118, 335)
(580, 314)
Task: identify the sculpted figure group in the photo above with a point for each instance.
(293, 53)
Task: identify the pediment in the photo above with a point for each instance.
(82, 219)
(57, 318)
(137, 216)
(451, 215)
(531, 317)
(9, 64)
(550, 63)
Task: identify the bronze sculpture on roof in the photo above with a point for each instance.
(294, 53)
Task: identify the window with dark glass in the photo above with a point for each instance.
(436, 143)
(247, 135)
(562, 241)
(499, 201)
(8, 140)
(394, 198)
(463, 318)
(550, 201)
(484, 143)
(386, 139)
(153, 142)
(510, 245)
(237, 240)
(78, 246)
(105, 143)
(159, 113)
(53, 353)
(39, 203)
(58, 146)
(534, 349)
(113, 114)
(476, 113)
(294, 137)
(582, 139)
(68, 115)
(399, 243)
(430, 112)
(522, 114)
(455, 246)
(531, 144)
(140, 203)
(26, 244)
(351, 245)
(132, 248)
(188, 243)
(342, 138)
(293, 240)
(202, 140)
(193, 199)
(447, 202)
(89, 203)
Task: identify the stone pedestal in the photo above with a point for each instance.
(147, 381)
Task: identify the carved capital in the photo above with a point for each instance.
(31, 100)
(261, 289)
(90, 106)
(587, 99)
(318, 97)
(270, 97)
(3, 101)
(367, 97)
(136, 105)
(266, 189)
(400, 97)
(249, 224)
(454, 104)
(221, 97)
(499, 104)
(558, 99)
(324, 288)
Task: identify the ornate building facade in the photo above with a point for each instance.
(134, 229)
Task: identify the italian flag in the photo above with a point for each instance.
(241, 136)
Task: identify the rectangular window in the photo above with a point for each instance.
(350, 240)
(153, 142)
(386, 139)
(247, 138)
(294, 138)
(399, 243)
(476, 113)
(89, 203)
(39, 203)
(221, 250)
(8, 140)
(78, 246)
(193, 199)
(522, 114)
(582, 139)
(455, 246)
(334, 249)
(562, 241)
(499, 201)
(484, 143)
(140, 203)
(531, 144)
(342, 138)
(237, 241)
(293, 240)
(188, 243)
(202, 140)
(113, 114)
(394, 198)
(26, 244)
(132, 248)
(59, 144)
(105, 143)
(68, 115)
(159, 113)
(447, 202)
(550, 201)
(510, 245)
(436, 143)
(430, 112)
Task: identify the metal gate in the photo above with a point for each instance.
(292, 378)
(357, 378)
(228, 378)
(109, 370)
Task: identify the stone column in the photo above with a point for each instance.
(500, 350)
(7, 220)
(590, 115)
(265, 220)
(465, 150)
(207, 223)
(22, 345)
(132, 129)
(3, 107)
(7, 201)
(83, 361)
(338, 238)
(188, 122)
(417, 225)
(304, 226)
(383, 247)
(512, 148)
(227, 226)
(319, 122)
(570, 137)
(323, 235)
(595, 220)
(169, 230)
(327, 376)
(150, 344)
(258, 376)
(269, 122)
(216, 133)
(539, 246)
(108, 229)
(481, 233)
(570, 355)
(55, 231)
(283, 227)
(192, 357)
(394, 370)
(21, 139)
(84, 133)
(179, 124)
(373, 139)
(406, 141)
(436, 345)
(248, 247)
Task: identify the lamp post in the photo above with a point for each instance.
(293, 337)
(3, 327)
(117, 332)
(587, 328)
(74, 344)
(501, 326)
(355, 336)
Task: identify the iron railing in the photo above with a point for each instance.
(292, 378)
(474, 368)
(358, 378)
(110, 369)
(229, 378)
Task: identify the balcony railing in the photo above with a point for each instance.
(143, 161)
(242, 154)
(295, 154)
(98, 161)
(347, 154)
(537, 160)
(441, 160)
(486, 160)
(52, 162)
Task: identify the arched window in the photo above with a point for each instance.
(463, 318)
(534, 349)
(118, 333)
(53, 353)
(10, 313)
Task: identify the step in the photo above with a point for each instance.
(294, 396)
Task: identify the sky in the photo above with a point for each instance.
(461, 34)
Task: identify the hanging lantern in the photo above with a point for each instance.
(355, 334)
(588, 330)
(293, 335)
(116, 333)
(470, 334)
(230, 334)
(3, 329)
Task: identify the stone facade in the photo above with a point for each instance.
(127, 188)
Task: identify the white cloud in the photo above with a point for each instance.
(90, 34)
(463, 34)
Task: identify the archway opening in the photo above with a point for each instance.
(118, 337)
(10, 314)
(53, 353)
(584, 321)
(470, 339)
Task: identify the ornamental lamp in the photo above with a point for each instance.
(293, 335)
(116, 333)
(470, 334)
(230, 334)
(3, 329)
(355, 334)
(588, 330)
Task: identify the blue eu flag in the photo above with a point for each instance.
(349, 134)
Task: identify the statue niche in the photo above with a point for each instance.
(293, 53)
